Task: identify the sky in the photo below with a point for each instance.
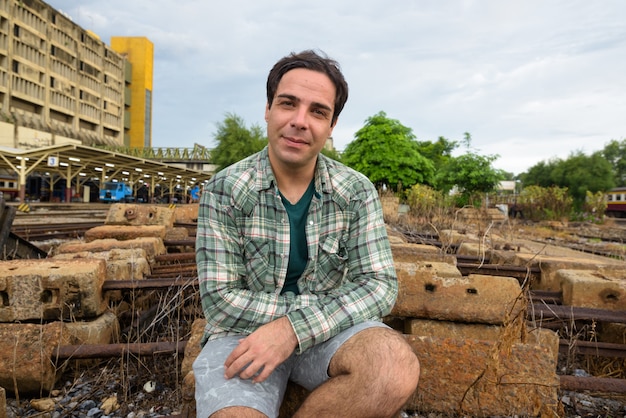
(529, 80)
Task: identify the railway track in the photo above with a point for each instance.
(178, 270)
(43, 232)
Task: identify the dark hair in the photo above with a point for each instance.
(315, 61)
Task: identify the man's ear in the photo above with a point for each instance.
(267, 111)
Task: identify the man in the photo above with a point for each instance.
(296, 271)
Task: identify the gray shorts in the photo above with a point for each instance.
(310, 369)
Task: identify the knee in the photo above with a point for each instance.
(404, 368)
(395, 365)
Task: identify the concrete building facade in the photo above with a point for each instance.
(59, 83)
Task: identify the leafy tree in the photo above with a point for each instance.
(540, 174)
(579, 173)
(387, 153)
(439, 152)
(615, 153)
(470, 173)
(235, 142)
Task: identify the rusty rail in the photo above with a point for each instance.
(95, 351)
(541, 311)
(594, 348)
(595, 384)
(148, 284)
(517, 272)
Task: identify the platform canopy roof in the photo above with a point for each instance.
(79, 161)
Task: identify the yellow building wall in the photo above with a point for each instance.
(139, 51)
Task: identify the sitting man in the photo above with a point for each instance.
(295, 269)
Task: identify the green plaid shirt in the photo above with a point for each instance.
(242, 252)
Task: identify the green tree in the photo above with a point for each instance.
(235, 142)
(615, 154)
(439, 152)
(540, 174)
(579, 173)
(470, 173)
(387, 153)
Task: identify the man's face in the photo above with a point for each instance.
(299, 119)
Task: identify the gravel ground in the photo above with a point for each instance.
(89, 396)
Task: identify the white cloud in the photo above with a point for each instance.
(530, 80)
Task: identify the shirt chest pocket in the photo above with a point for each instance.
(331, 265)
(256, 259)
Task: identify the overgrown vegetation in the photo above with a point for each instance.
(390, 155)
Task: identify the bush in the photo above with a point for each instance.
(426, 202)
(545, 203)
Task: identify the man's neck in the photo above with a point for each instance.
(293, 183)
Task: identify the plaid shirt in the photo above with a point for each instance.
(242, 251)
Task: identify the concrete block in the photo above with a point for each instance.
(414, 253)
(152, 246)
(125, 232)
(474, 249)
(592, 289)
(436, 291)
(484, 378)
(104, 329)
(51, 289)
(121, 264)
(186, 213)
(188, 390)
(456, 330)
(192, 349)
(26, 361)
(460, 331)
(551, 264)
(132, 214)
(176, 234)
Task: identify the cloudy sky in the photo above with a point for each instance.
(530, 80)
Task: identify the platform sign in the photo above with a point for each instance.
(53, 161)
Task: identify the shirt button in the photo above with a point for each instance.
(311, 222)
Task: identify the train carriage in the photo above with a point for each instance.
(9, 188)
(616, 202)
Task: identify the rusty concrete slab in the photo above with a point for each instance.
(51, 289)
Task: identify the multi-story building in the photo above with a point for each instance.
(59, 83)
(139, 54)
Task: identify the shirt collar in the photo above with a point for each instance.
(267, 180)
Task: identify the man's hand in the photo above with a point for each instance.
(258, 354)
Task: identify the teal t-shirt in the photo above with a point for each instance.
(298, 252)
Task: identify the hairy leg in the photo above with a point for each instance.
(372, 375)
